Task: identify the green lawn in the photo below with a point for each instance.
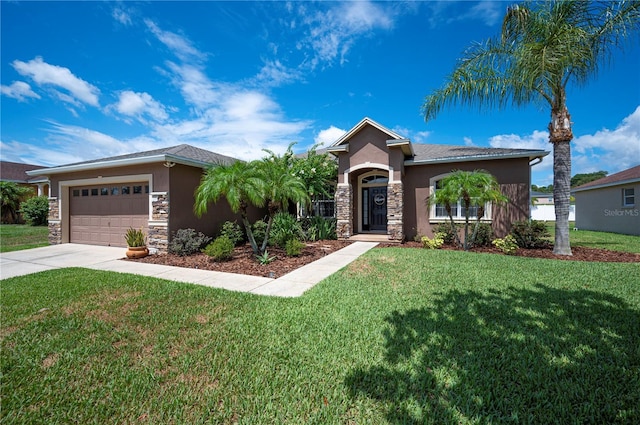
(14, 237)
(401, 336)
(601, 240)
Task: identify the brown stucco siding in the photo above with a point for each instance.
(512, 175)
(368, 145)
(603, 210)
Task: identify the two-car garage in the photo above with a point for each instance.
(101, 214)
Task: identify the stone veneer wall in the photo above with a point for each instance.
(55, 224)
(344, 225)
(158, 238)
(395, 207)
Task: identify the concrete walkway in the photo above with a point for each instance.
(294, 284)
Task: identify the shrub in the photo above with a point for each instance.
(445, 229)
(233, 231)
(264, 258)
(221, 249)
(319, 228)
(507, 244)
(530, 234)
(259, 229)
(484, 235)
(435, 243)
(284, 227)
(293, 247)
(187, 241)
(35, 210)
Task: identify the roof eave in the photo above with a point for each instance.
(118, 163)
(404, 144)
(360, 125)
(605, 185)
(530, 154)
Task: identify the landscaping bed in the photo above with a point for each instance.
(245, 262)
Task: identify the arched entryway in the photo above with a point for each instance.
(372, 187)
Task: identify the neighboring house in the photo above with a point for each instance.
(16, 172)
(95, 202)
(384, 181)
(610, 204)
(543, 208)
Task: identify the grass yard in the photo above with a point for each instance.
(14, 237)
(600, 240)
(399, 336)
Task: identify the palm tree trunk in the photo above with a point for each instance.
(560, 135)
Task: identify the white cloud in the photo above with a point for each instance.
(329, 135)
(468, 141)
(43, 73)
(180, 45)
(140, 105)
(275, 74)
(27, 153)
(421, 136)
(536, 140)
(121, 16)
(19, 90)
(487, 11)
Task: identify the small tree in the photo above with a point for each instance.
(318, 172)
(472, 189)
(11, 195)
(35, 210)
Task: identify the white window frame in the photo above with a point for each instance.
(628, 199)
(458, 217)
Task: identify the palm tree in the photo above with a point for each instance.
(11, 195)
(472, 189)
(240, 183)
(542, 48)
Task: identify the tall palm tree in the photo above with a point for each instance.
(241, 183)
(472, 189)
(542, 48)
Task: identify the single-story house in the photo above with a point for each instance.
(95, 202)
(543, 207)
(16, 172)
(610, 204)
(384, 181)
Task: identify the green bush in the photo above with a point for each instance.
(259, 229)
(285, 227)
(233, 231)
(187, 241)
(507, 245)
(445, 229)
(484, 235)
(293, 247)
(530, 234)
(135, 237)
(319, 228)
(221, 249)
(435, 243)
(35, 210)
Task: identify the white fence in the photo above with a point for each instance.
(547, 213)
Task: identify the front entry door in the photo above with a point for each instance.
(377, 210)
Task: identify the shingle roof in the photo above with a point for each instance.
(629, 175)
(16, 171)
(440, 153)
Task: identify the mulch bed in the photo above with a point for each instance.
(579, 253)
(244, 261)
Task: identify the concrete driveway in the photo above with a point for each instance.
(294, 284)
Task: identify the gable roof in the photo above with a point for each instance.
(180, 154)
(364, 122)
(432, 153)
(630, 175)
(16, 171)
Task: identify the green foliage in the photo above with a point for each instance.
(507, 245)
(135, 237)
(484, 235)
(285, 227)
(542, 189)
(187, 241)
(232, 230)
(449, 233)
(11, 195)
(221, 249)
(318, 171)
(319, 228)
(35, 210)
(530, 234)
(435, 243)
(259, 229)
(294, 247)
(265, 258)
(580, 179)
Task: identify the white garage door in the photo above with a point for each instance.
(101, 215)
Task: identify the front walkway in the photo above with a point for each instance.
(294, 284)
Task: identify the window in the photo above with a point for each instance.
(628, 197)
(137, 190)
(104, 191)
(126, 190)
(375, 179)
(94, 191)
(76, 192)
(85, 192)
(115, 191)
(439, 211)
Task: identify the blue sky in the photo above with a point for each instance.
(85, 80)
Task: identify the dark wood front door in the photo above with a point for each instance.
(375, 213)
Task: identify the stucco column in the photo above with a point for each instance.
(158, 238)
(395, 208)
(344, 211)
(54, 222)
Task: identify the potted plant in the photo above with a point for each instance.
(136, 243)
